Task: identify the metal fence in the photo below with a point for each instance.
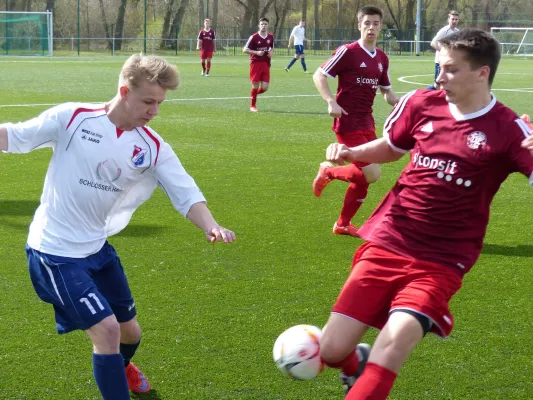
(186, 46)
(31, 46)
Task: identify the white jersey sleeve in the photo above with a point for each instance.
(39, 132)
(179, 186)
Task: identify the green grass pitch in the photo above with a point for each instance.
(211, 313)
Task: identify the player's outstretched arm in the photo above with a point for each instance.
(321, 83)
(375, 152)
(200, 216)
(390, 96)
(3, 138)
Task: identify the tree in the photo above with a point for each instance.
(105, 24)
(119, 26)
(304, 9)
(177, 22)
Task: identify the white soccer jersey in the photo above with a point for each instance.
(97, 177)
(444, 31)
(299, 35)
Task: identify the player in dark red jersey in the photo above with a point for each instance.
(259, 46)
(428, 231)
(207, 45)
(362, 68)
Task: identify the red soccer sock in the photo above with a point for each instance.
(208, 66)
(347, 173)
(375, 383)
(253, 97)
(348, 366)
(353, 200)
(203, 65)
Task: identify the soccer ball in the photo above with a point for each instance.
(297, 352)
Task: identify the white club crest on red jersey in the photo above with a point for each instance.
(268, 41)
(380, 66)
(363, 65)
(476, 140)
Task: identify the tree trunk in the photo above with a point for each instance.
(410, 11)
(106, 25)
(339, 15)
(304, 9)
(119, 26)
(201, 13)
(177, 22)
(166, 24)
(215, 14)
(316, 24)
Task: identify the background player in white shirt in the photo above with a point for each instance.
(105, 163)
(453, 20)
(428, 231)
(298, 36)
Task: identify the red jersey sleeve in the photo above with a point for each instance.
(384, 81)
(398, 128)
(520, 158)
(336, 63)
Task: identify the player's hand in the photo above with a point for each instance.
(220, 233)
(261, 53)
(269, 53)
(335, 110)
(338, 153)
(527, 144)
(289, 46)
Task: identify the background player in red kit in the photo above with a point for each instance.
(259, 46)
(428, 231)
(207, 45)
(362, 68)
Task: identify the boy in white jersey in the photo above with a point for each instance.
(453, 21)
(428, 231)
(298, 36)
(106, 162)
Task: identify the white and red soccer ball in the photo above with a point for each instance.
(297, 352)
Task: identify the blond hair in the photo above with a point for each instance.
(154, 69)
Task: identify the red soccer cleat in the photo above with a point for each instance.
(137, 382)
(254, 109)
(349, 230)
(321, 180)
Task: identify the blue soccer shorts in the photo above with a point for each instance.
(299, 49)
(83, 291)
(437, 71)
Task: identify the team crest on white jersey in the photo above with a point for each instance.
(138, 155)
(380, 67)
(476, 140)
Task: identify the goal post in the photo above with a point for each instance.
(26, 33)
(517, 41)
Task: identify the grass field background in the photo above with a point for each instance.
(210, 313)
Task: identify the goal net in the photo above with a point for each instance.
(26, 33)
(517, 41)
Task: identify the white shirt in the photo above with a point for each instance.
(299, 35)
(97, 177)
(444, 31)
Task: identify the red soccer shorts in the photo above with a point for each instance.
(382, 281)
(357, 138)
(204, 54)
(259, 72)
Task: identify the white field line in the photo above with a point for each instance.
(403, 79)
